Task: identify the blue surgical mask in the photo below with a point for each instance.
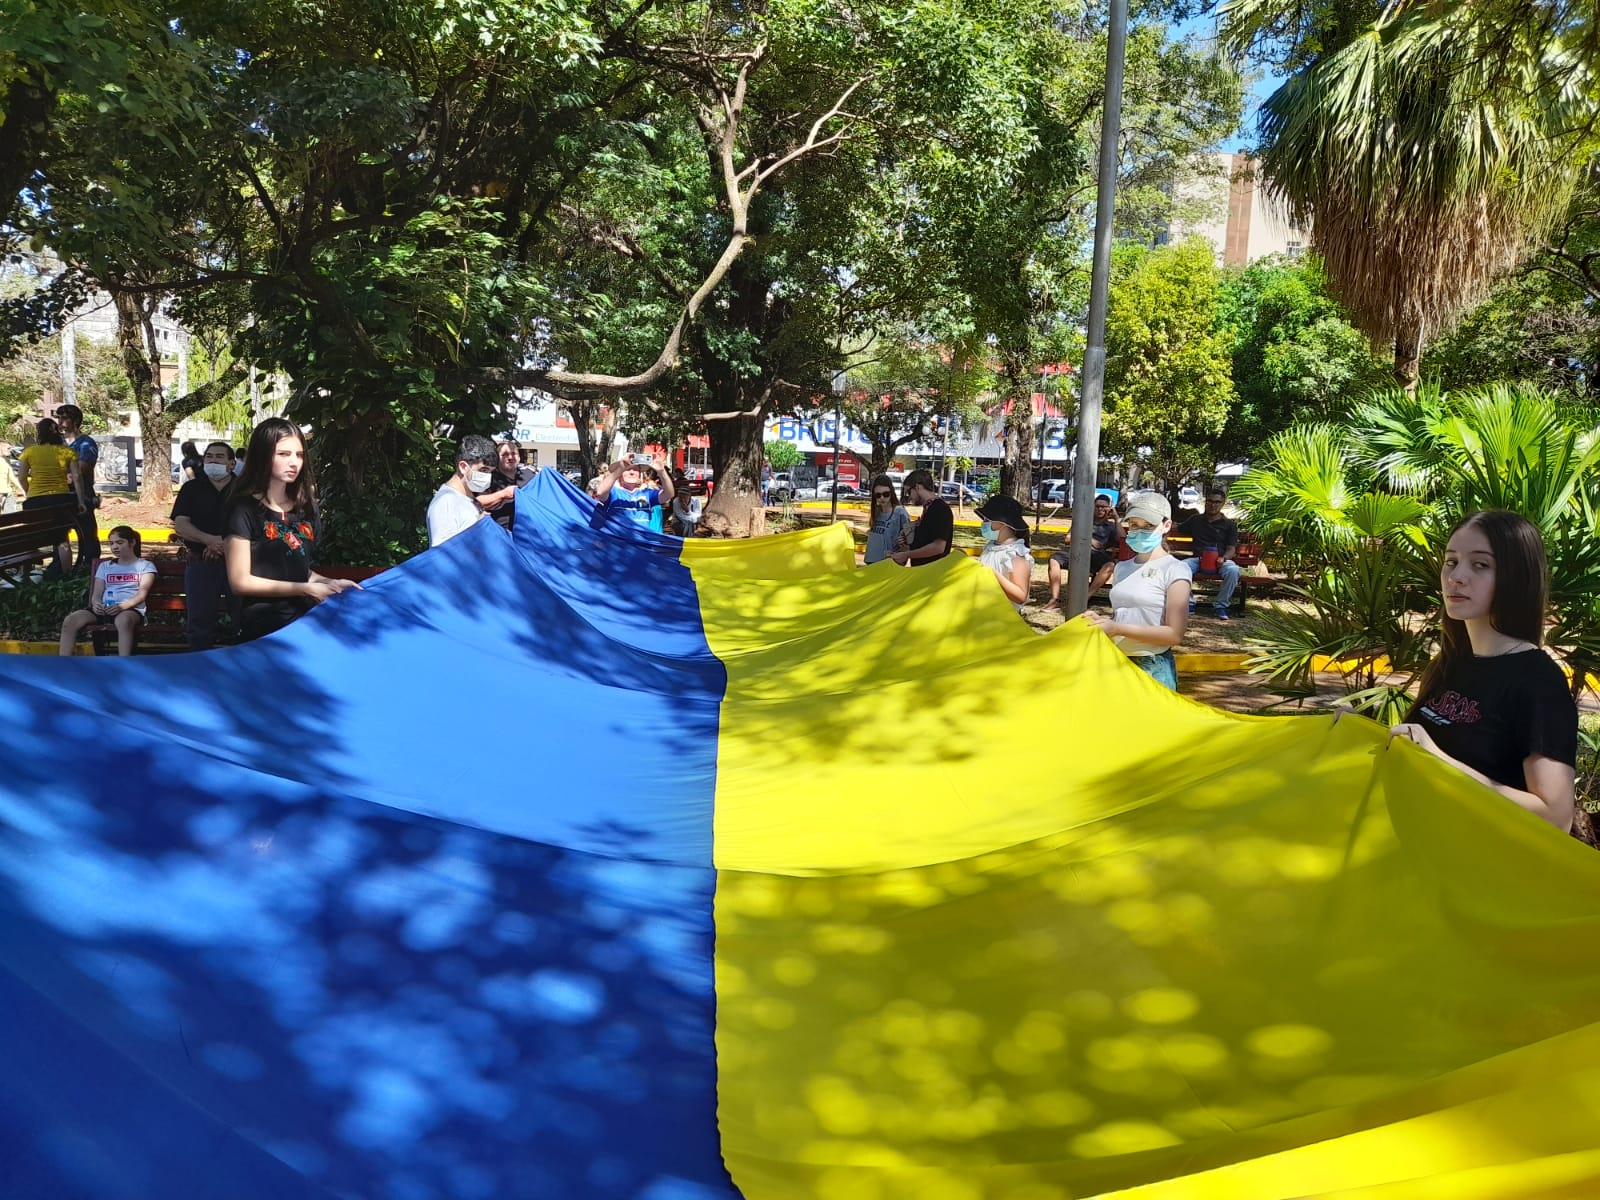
(1143, 541)
(986, 531)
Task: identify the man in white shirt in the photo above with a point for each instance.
(453, 508)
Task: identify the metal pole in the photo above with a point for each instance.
(1086, 470)
(1038, 483)
(838, 419)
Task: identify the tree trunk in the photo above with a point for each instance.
(737, 448)
(1016, 467)
(1408, 355)
(142, 368)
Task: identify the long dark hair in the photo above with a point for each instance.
(48, 433)
(128, 534)
(1521, 592)
(256, 477)
(894, 496)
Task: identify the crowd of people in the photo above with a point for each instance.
(1492, 703)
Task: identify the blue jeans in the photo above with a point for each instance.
(1227, 570)
(1163, 668)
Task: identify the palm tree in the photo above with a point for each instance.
(1424, 166)
(1368, 558)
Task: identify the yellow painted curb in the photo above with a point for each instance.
(11, 647)
(150, 537)
(1202, 663)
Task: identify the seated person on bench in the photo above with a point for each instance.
(1214, 532)
(121, 585)
(1102, 556)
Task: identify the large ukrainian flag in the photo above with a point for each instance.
(594, 864)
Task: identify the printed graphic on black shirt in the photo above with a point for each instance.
(1493, 713)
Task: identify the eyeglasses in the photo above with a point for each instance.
(883, 495)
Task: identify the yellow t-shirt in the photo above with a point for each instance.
(47, 469)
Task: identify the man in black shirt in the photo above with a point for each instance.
(198, 516)
(1102, 557)
(1215, 532)
(935, 531)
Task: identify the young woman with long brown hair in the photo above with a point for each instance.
(273, 530)
(1493, 703)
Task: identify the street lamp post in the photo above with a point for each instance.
(838, 418)
(1086, 469)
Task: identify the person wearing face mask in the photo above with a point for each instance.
(1006, 548)
(1149, 592)
(199, 515)
(453, 507)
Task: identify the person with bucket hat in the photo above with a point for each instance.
(1005, 548)
(1149, 592)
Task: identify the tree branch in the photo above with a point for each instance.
(812, 143)
(207, 394)
(608, 237)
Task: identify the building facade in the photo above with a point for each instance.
(1225, 204)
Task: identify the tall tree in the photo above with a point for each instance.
(1427, 149)
(1295, 355)
(1168, 372)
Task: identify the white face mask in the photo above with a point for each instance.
(478, 480)
(218, 470)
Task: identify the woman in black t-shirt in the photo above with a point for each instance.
(1492, 702)
(272, 533)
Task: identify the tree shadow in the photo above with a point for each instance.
(278, 920)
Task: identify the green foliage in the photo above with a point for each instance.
(1169, 386)
(1536, 328)
(1364, 509)
(1295, 356)
(1427, 147)
(35, 611)
(784, 456)
(102, 388)
(411, 207)
(1359, 611)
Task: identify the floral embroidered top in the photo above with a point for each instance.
(282, 545)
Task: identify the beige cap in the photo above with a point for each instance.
(1149, 506)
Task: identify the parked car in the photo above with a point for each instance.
(1053, 491)
(827, 487)
(1189, 497)
(959, 493)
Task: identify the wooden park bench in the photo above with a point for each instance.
(165, 627)
(1247, 556)
(30, 538)
(166, 614)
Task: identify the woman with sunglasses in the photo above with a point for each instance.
(890, 524)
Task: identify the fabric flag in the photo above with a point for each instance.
(587, 862)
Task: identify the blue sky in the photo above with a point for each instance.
(1261, 87)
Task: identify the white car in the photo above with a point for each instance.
(847, 491)
(1189, 497)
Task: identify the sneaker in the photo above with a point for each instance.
(1191, 606)
(1222, 614)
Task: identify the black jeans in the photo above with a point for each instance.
(62, 563)
(205, 588)
(88, 529)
